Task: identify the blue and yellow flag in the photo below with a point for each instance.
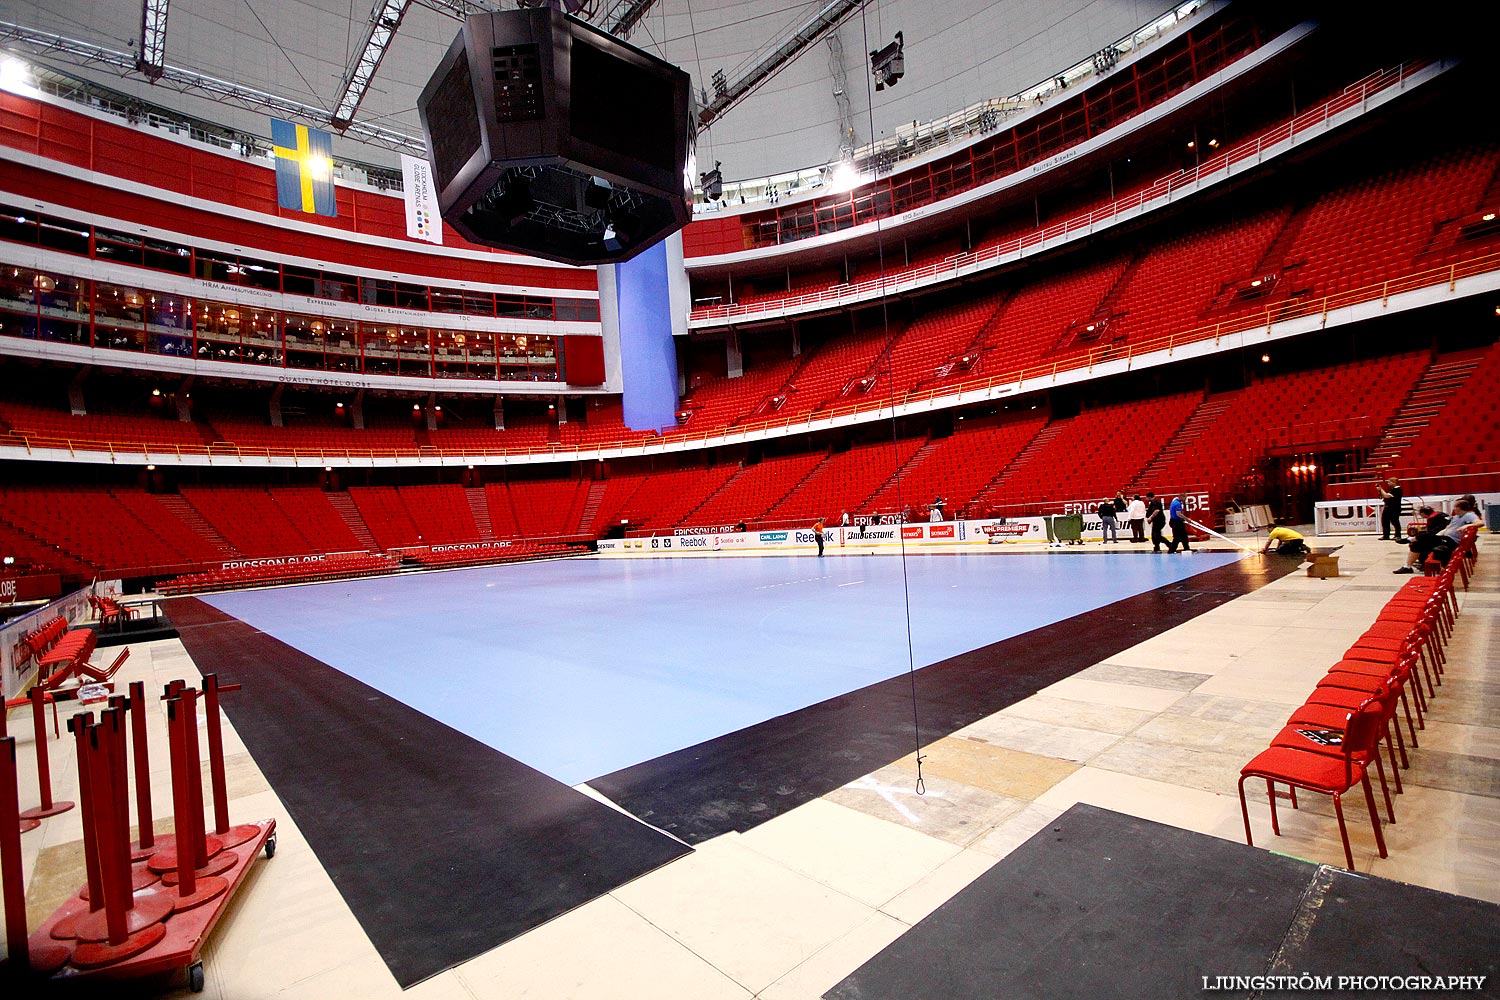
(304, 168)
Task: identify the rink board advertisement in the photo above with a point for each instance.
(941, 535)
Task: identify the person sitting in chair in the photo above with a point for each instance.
(1440, 541)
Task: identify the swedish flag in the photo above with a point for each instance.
(304, 168)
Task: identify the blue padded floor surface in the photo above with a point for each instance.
(582, 667)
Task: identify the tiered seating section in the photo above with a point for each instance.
(843, 482)
(1466, 432)
(416, 515)
(1091, 455)
(1353, 402)
(1187, 277)
(1003, 464)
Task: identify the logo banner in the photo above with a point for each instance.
(422, 219)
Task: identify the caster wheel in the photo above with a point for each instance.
(195, 977)
(271, 846)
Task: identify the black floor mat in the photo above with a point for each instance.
(740, 780)
(442, 847)
(1099, 904)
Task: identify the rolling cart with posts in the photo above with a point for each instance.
(148, 907)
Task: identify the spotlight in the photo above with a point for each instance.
(1265, 359)
(713, 183)
(150, 468)
(888, 64)
(13, 73)
(844, 177)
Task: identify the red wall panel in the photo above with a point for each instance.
(584, 358)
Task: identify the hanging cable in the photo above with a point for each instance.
(887, 355)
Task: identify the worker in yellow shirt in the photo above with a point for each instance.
(1287, 542)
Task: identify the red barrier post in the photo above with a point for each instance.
(23, 825)
(194, 765)
(187, 877)
(228, 837)
(43, 769)
(16, 943)
(146, 834)
(79, 726)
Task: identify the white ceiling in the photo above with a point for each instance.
(957, 53)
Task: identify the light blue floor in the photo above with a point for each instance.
(579, 667)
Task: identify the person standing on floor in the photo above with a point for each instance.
(1177, 519)
(1390, 511)
(1135, 513)
(818, 535)
(1107, 526)
(1158, 518)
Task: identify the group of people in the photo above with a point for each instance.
(1140, 511)
(1437, 534)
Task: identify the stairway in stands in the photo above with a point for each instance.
(591, 506)
(188, 515)
(1192, 429)
(1272, 261)
(343, 505)
(917, 458)
(987, 494)
(479, 506)
(1425, 401)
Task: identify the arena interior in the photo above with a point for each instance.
(736, 613)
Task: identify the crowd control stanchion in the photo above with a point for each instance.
(196, 860)
(146, 843)
(22, 825)
(43, 768)
(112, 929)
(228, 836)
(129, 922)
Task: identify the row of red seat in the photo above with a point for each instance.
(1330, 743)
(340, 567)
(41, 639)
(497, 552)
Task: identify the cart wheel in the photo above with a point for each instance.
(271, 846)
(195, 977)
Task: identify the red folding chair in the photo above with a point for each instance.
(1317, 772)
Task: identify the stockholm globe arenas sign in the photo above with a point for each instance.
(551, 138)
